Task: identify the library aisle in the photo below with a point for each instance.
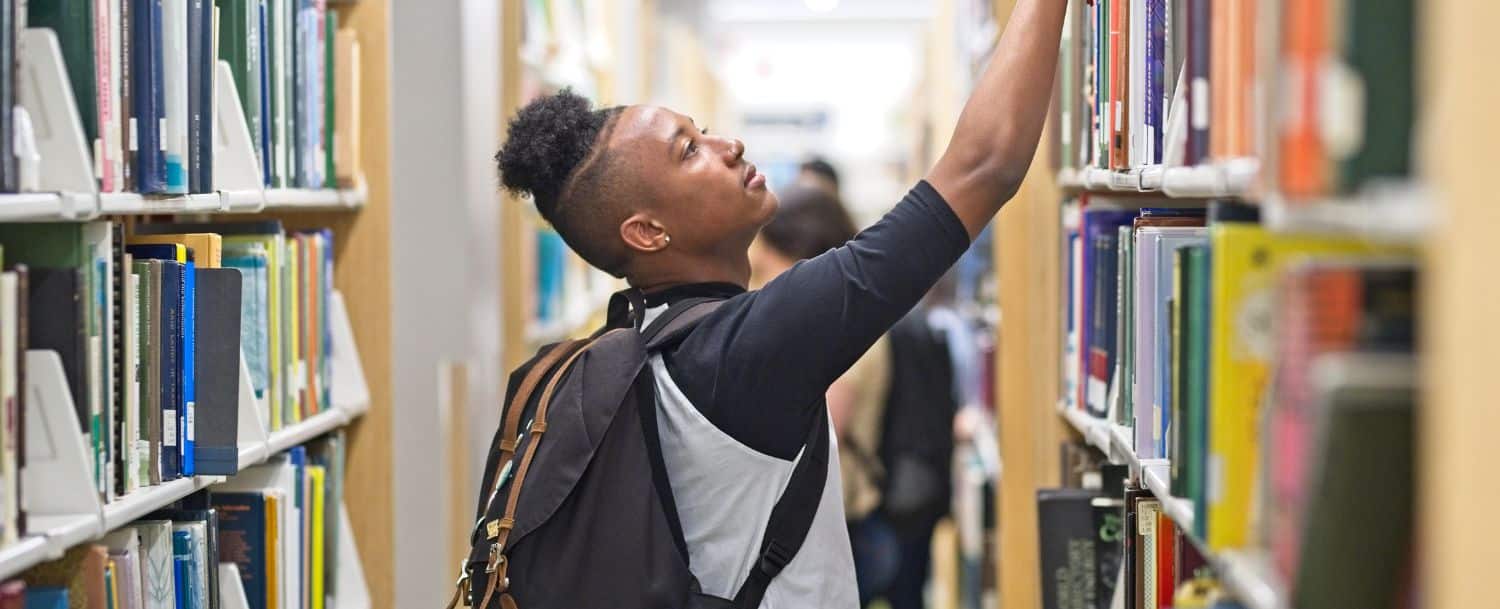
(261, 294)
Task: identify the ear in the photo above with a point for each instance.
(644, 234)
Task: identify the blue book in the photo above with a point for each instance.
(1156, 41)
(202, 57)
(38, 597)
(172, 345)
(255, 321)
(1098, 223)
(189, 414)
(145, 132)
(242, 519)
(182, 570)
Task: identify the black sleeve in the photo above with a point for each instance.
(759, 366)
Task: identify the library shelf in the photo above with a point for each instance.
(575, 321)
(64, 532)
(129, 203)
(1232, 178)
(82, 206)
(1397, 212)
(1247, 573)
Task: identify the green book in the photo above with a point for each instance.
(1190, 461)
(73, 21)
(1378, 47)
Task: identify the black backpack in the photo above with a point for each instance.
(916, 444)
(588, 519)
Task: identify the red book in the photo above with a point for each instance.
(1119, 79)
(1166, 565)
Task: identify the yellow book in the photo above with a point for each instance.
(273, 551)
(1246, 263)
(318, 476)
(208, 248)
(292, 328)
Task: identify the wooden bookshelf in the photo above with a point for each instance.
(1460, 327)
(1449, 218)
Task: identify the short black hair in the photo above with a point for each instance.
(809, 222)
(552, 152)
(822, 167)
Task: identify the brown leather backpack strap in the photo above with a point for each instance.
(538, 428)
(508, 435)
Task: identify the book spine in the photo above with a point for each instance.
(1156, 79)
(103, 163)
(263, 48)
(175, 83)
(189, 368)
(171, 447)
(1199, 103)
(129, 141)
(197, 59)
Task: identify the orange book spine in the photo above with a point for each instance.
(1302, 170)
(1166, 561)
(1219, 78)
(1245, 84)
(1119, 79)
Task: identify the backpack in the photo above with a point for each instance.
(578, 512)
(916, 445)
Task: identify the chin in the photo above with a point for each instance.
(768, 206)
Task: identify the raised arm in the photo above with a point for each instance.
(997, 132)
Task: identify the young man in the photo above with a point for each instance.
(645, 194)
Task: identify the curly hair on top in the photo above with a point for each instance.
(548, 153)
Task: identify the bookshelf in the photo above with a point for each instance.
(1439, 214)
(64, 510)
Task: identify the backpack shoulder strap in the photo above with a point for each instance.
(791, 518)
(677, 321)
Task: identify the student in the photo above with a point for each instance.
(809, 222)
(646, 194)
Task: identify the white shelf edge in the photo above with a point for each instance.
(24, 554)
(1232, 178)
(130, 203)
(133, 506)
(1246, 572)
(306, 429)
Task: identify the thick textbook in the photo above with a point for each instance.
(1069, 560)
(217, 368)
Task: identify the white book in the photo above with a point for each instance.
(280, 74)
(125, 546)
(158, 572)
(115, 135)
(99, 237)
(130, 381)
(9, 394)
(1136, 88)
(175, 87)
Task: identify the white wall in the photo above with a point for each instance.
(444, 269)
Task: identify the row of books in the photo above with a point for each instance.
(143, 75)
(150, 327)
(1106, 542)
(277, 522)
(1322, 90)
(1227, 349)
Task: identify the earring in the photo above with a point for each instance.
(667, 239)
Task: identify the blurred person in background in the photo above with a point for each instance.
(817, 172)
(810, 221)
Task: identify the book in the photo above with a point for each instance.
(150, 375)
(148, 94)
(47, 597)
(1246, 260)
(60, 292)
(1198, 68)
(217, 369)
(183, 570)
(13, 594)
(1157, 250)
(1099, 220)
(1323, 307)
(159, 582)
(202, 60)
(1358, 537)
(1109, 531)
(1191, 409)
(125, 116)
(16, 409)
(246, 534)
(11, 350)
(329, 99)
(1148, 515)
(124, 547)
(1068, 557)
(10, 178)
(175, 86)
(1166, 560)
(317, 531)
(171, 343)
(80, 571)
(207, 248)
(253, 262)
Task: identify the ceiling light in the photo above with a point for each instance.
(821, 6)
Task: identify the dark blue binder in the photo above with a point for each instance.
(147, 97)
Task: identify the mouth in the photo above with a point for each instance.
(753, 178)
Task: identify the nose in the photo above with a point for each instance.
(733, 150)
